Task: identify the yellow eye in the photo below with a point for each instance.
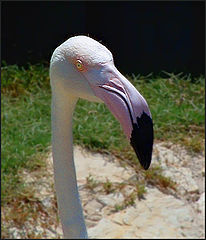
(79, 65)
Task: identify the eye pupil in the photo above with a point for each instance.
(79, 65)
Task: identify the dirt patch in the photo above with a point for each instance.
(158, 214)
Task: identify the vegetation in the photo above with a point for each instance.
(176, 103)
(107, 187)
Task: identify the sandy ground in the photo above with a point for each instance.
(157, 215)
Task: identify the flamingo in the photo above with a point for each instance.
(81, 67)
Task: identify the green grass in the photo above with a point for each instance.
(108, 187)
(176, 103)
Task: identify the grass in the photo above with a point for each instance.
(91, 182)
(107, 187)
(176, 102)
(177, 106)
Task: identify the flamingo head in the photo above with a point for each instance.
(84, 68)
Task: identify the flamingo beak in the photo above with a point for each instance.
(128, 106)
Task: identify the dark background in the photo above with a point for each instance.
(144, 37)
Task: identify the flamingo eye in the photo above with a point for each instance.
(79, 65)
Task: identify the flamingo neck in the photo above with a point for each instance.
(68, 200)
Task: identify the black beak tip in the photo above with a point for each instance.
(146, 163)
(144, 157)
(142, 139)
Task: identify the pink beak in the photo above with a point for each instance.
(127, 105)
